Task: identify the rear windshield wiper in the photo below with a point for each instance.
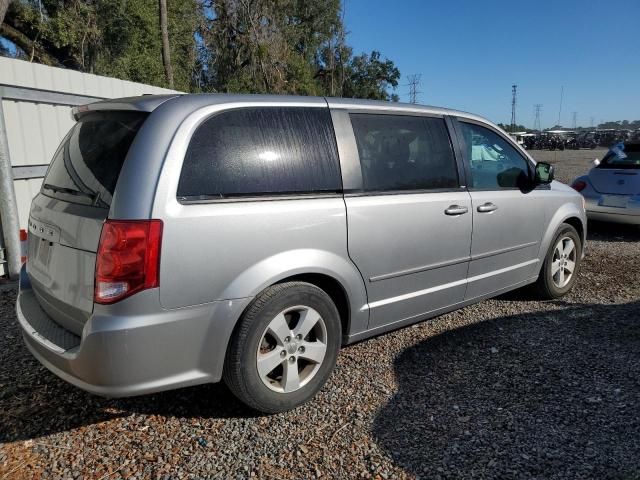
(69, 191)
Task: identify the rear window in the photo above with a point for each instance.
(86, 167)
(622, 156)
(261, 151)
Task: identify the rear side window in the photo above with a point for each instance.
(404, 152)
(86, 166)
(262, 151)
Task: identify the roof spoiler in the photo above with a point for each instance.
(142, 103)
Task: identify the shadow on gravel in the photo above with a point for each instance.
(38, 407)
(34, 402)
(547, 394)
(34, 408)
(612, 232)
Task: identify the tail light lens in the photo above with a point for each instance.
(579, 185)
(128, 259)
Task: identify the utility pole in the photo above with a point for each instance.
(536, 122)
(514, 87)
(560, 110)
(414, 83)
(574, 117)
(592, 121)
(166, 54)
(8, 204)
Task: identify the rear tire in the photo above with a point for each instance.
(561, 265)
(284, 347)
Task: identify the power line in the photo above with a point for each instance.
(414, 83)
(536, 122)
(513, 107)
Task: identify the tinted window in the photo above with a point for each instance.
(495, 163)
(88, 162)
(404, 152)
(262, 151)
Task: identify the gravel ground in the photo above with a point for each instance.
(509, 388)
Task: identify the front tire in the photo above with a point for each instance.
(560, 269)
(284, 348)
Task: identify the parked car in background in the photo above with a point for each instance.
(612, 187)
(586, 140)
(180, 240)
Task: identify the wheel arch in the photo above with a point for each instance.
(332, 273)
(576, 223)
(331, 287)
(571, 214)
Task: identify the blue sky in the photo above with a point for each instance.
(470, 53)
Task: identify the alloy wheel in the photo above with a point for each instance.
(563, 263)
(292, 349)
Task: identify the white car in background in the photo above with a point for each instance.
(612, 187)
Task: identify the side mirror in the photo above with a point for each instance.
(596, 162)
(544, 173)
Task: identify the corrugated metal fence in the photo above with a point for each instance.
(35, 113)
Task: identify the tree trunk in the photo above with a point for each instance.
(4, 5)
(39, 53)
(166, 54)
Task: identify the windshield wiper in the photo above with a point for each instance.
(69, 191)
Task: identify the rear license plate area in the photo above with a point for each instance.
(617, 201)
(43, 253)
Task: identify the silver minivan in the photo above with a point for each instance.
(184, 239)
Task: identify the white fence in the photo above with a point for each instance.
(35, 113)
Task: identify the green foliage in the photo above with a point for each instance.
(369, 77)
(621, 125)
(518, 128)
(252, 46)
(132, 31)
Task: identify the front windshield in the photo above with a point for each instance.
(622, 156)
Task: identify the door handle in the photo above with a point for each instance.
(456, 210)
(487, 207)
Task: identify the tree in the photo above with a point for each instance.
(367, 76)
(253, 46)
(518, 128)
(621, 124)
(119, 39)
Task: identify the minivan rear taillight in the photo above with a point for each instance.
(128, 259)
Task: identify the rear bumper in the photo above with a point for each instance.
(124, 350)
(628, 215)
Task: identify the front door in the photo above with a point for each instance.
(508, 219)
(410, 225)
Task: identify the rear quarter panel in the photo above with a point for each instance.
(223, 250)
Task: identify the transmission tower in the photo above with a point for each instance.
(513, 107)
(536, 122)
(574, 117)
(414, 83)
